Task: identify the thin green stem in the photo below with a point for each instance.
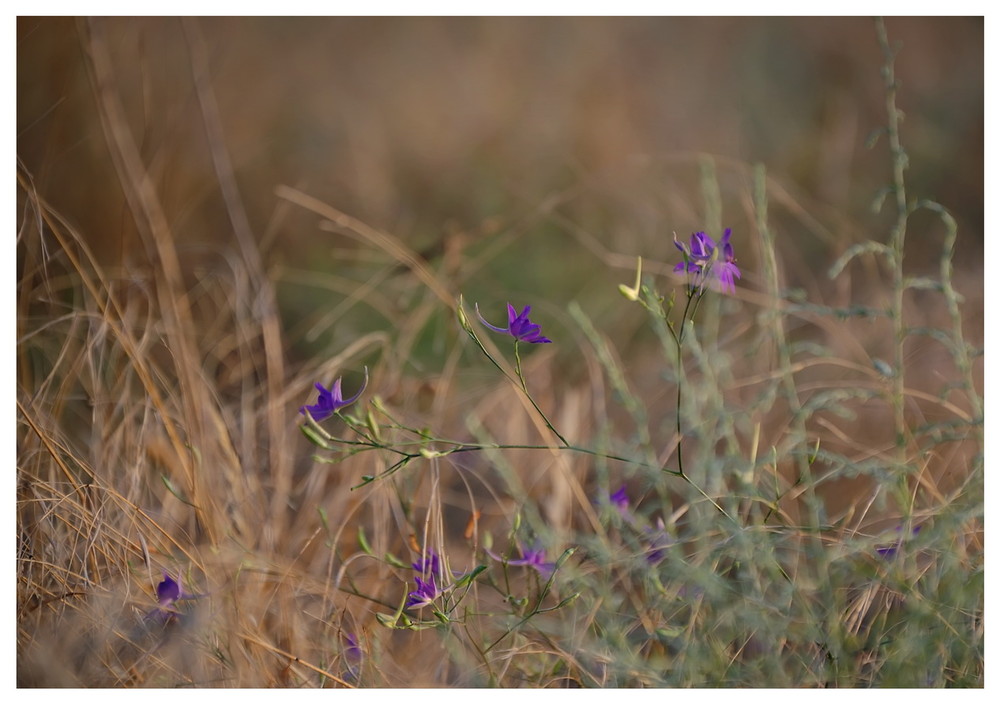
(694, 296)
(464, 322)
(460, 447)
(705, 495)
(898, 235)
(524, 387)
(537, 609)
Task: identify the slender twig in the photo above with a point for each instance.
(295, 659)
(897, 237)
(524, 387)
(679, 340)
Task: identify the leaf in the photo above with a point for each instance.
(373, 425)
(395, 562)
(174, 491)
(466, 579)
(363, 541)
(670, 632)
(567, 600)
(314, 438)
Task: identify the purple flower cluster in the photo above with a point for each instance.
(709, 263)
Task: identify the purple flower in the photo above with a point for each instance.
(657, 540)
(331, 400)
(429, 565)
(428, 569)
(168, 592)
(352, 650)
(426, 592)
(518, 326)
(891, 550)
(709, 263)
(620, 500)
(353, 655)
(532, 557)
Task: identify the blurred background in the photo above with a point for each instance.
(425, 127)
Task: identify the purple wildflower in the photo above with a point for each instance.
(620, 500)
(658, 540)
(352, 650)
(353, 655)
(891, 550)
(709, 263)
(518, 326)
(426, 592)
(331, 400)
(531, 557)
(429, 574)
(429, 565)
(168, 592)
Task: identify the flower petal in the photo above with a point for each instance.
(347, 402)
(490, 325)
(168, 591)
(514, 317)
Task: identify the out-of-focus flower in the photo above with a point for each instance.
(620, 500)
(534, 557)
(331, 400)
(168, 592)
(428, 565)
(657, 541)
(353, 655)
(518, 326)
(352, 650)
(710, 264)
(891, 550)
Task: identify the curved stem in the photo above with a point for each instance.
(705, 495)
